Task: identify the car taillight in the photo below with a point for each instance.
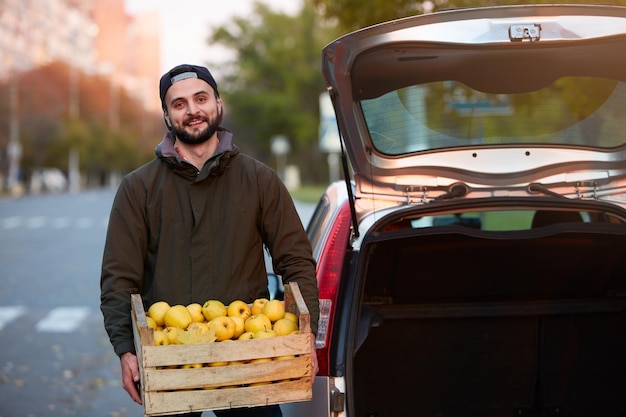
(329, 268)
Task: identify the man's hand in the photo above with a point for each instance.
(130, 375)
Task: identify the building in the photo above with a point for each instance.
(129, 49)
(35, 32)
(94, 36)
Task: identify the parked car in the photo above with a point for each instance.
(51, 180)
(474, 261)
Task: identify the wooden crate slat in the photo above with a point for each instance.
(146, 335)
(294, 303)
(227, 351)
(162, 403)
(171, 379)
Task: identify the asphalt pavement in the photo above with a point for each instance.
(55, 357)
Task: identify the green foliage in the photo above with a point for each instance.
(355, 14)
(272, 84)
(308, 194)
(100, 149)
(568, 100)
(351, 15)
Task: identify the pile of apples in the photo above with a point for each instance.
(215, 321)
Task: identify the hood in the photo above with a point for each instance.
(510, 100)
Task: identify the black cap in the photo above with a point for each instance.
(182, 72)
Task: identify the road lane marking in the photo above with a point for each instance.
(63, 319)
(61, 222)
(8, 314)
(35, 222)
(11, 222)
(84, 222)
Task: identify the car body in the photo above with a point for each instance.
(473, 263)
(51, 180)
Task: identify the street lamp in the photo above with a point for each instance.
(329, 140)
(14, 149)
(280, 147)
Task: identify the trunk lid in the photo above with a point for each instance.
(521, 100)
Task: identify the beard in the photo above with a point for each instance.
(197, 137)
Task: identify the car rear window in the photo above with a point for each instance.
(571, 111)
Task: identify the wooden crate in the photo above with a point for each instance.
(168, 389)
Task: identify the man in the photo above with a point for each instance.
(190, 225)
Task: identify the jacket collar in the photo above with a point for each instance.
(166, 151)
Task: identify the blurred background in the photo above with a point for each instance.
(79, 103)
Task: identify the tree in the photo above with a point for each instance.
(47, 133)
(355, 14)
(272, 84)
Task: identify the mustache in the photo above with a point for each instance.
(195, 118)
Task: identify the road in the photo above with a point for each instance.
(55, 357)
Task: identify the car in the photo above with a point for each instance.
(473, 262)
(51, 180)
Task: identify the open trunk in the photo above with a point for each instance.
(463, 128)
(463, 322)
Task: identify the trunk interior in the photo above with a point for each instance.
(463, 322)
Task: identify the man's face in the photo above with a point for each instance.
(193, 110)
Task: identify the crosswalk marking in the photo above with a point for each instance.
(63, 319)
(8, 314)
(84, 223)
(11, 222)
(60, 222)
(35, 222)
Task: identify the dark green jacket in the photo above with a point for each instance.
(186, 236)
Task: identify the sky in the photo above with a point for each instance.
(186, 25)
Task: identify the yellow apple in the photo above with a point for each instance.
(262, 334)
(213, 309)
(151, 323)
(240, 326)
(274, 310)
(192, 365)
(258, 384)
(239, 308)
(157, 311)
(284, 327)
(257, 306)
(235, 363)
(200, 327)
(291, 316)
(284, 357)
(260, 360)
(160, 339)
(177, 316)
(195, 309)
(257, 322)
(172, 334)
(246, 336)
(195, 335)
(214, 364)
(224, 328)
